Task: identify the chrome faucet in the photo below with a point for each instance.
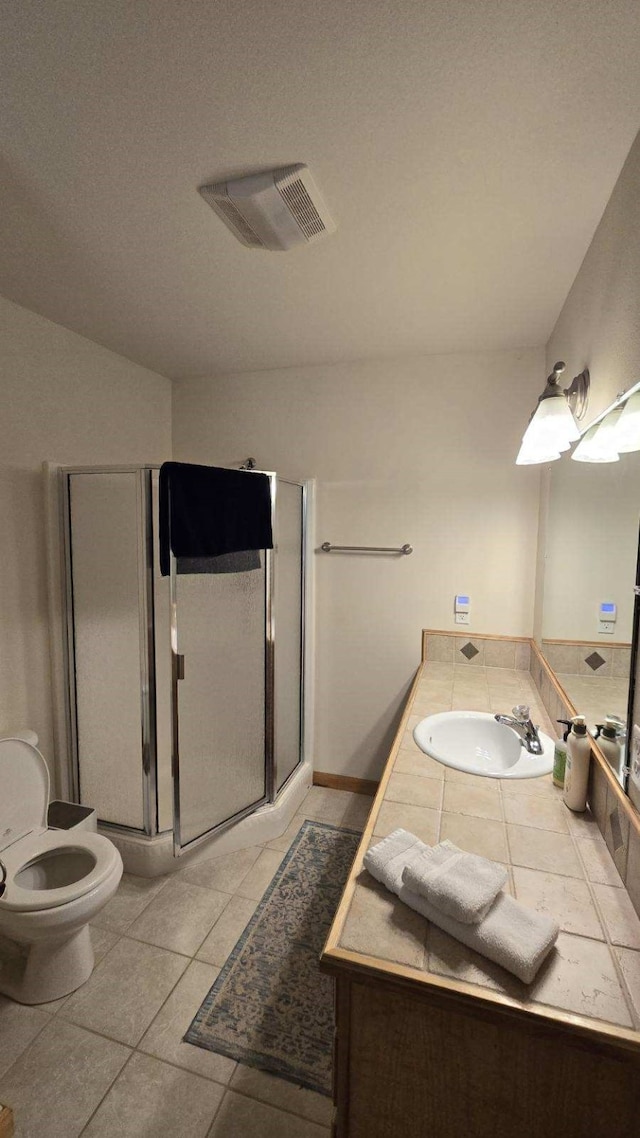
(520, 721)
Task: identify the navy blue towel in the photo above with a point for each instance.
(206, 511)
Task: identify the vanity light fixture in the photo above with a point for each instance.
(552, 427)
(598, 444)
(534, 457)
(616, 430)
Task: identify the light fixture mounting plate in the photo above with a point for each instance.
(578, 394)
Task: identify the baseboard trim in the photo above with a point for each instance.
(345, 782)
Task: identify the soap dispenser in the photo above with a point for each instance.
(576, 776)
(560, 754)
(609, 743)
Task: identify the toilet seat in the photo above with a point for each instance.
(25, 839)
(39, 844)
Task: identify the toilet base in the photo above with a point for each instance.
(47, 969)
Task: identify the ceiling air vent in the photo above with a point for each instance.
(276, 210)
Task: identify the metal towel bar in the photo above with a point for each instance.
(327, 547)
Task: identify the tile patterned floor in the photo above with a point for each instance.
(109, 1059)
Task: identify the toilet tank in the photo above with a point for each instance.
(71, 816)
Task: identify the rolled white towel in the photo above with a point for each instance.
(461, 885)
(510, 935)
(388, 858)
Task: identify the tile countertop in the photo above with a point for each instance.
(557, 862)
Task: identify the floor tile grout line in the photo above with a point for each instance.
(217, 1111)
(178, 952)
(265, 1102)
(31, 1042)
(107, 1092)
(146, 906)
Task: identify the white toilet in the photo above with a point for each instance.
(55, 882)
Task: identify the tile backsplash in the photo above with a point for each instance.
(479, 651)
(581, 659)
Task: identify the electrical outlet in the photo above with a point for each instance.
(462, 618)
(606, 626)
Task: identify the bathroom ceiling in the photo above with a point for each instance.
(467, 149)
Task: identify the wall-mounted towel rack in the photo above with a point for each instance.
(327, 547)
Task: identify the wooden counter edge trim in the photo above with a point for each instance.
(623, 801)
(587, 643)
(475, 1000)
(345, 782)
(6, 1122)
(335, 932)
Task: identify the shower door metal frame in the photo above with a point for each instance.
(304, 520)
(177, 674)
(148, 725)
(148, 737)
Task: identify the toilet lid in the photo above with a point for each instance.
(24, 780)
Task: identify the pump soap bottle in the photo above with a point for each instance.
(577, 770)
(560, 754)
(607, 739)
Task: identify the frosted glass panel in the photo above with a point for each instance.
(288, 629)
(104, 553)
(221, 633)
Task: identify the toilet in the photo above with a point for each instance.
(55, 882)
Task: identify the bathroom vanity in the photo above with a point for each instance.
(433, 1041)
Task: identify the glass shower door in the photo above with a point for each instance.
(220, 657)
(109, 663)
(288, 641)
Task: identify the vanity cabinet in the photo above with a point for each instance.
(429, 1044)
(418, 1062)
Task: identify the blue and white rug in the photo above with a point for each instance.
(271, 1007)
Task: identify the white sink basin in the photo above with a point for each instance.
(474, 742)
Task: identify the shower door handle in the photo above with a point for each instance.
(178, 659)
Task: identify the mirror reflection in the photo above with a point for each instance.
(591, 548)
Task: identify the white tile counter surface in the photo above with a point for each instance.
(557, 862)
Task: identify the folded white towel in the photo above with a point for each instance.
(387, 860)
(510, 935)
(462, 885)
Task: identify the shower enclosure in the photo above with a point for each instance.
(185, 695)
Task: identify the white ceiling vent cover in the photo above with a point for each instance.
(276, 210)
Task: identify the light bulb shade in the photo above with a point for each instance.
(627, 430)
(552, 424)
(598, 445)
(531, 454)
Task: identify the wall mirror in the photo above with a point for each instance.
(590, 555)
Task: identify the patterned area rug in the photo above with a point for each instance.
(271, 1007)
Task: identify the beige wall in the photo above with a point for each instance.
(64, 400)
(599, 326)
(417, 450)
